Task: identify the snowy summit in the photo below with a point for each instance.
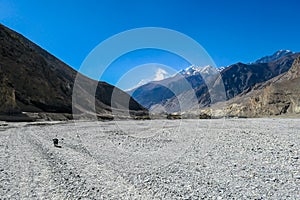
(195, 70)
(277, 55)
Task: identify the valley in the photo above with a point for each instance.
(157, 159)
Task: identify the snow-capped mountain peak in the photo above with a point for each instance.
(196, 70)
(277, 55)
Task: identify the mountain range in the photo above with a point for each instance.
(35, 84)
(277, 96)
(234, 80)
(277, 55)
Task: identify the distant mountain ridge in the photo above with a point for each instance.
(277, 55)
(277, 96)
(196, 70)
(236, 78)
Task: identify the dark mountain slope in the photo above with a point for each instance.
(277, 96)
(240, 77)
(159, 92)
(32, 80)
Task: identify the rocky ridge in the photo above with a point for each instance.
(277, 96)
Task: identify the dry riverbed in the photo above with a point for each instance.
(157, 159)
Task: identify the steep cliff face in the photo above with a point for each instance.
(7, 98)
(294, 72)
(280, 95)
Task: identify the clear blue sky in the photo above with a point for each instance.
(231, 31)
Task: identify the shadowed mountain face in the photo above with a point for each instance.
(32, 80)
(159, 92)
(277, 96)
(235, 79)
(241, 77)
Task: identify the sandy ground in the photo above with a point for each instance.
(163, 159)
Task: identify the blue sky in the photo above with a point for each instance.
(230, 31)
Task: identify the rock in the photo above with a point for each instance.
(277, 96)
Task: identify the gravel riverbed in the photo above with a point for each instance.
(155, 159)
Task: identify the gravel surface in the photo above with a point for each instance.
(157, 159)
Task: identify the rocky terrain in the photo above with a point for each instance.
(278, 96)
(241, 77)
(34, 81)
(157, 159)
